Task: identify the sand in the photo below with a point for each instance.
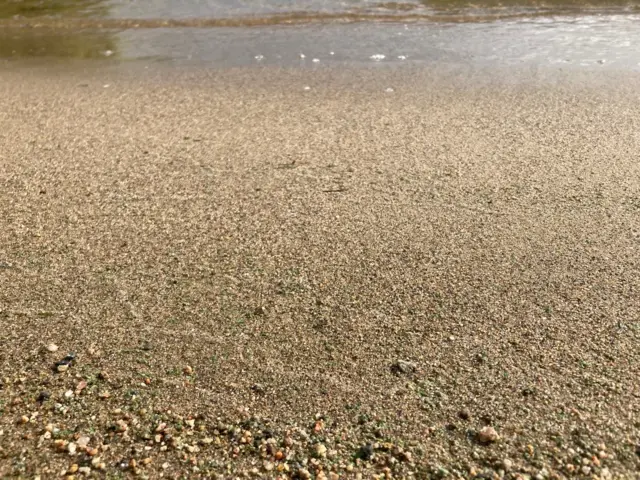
(229, 252)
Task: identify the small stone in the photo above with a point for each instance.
(507, 464)
(122, 426)
(268, 466)
(133, 464)
(62, 368)
(188, 370)
(52, 347)
(488, 435)
(464, 414)
(92, 452)
(321, 450)
(586, 470)
(83, 441)
(146, 461)
(279, 455)
(104, 395)
(304, 473)
(191, 423)
(73, 469)
(403, 366)
(43, 396)
(165, 465)
(68, 394)
(60, 444)
(95, 461)
(49, 428)
(85, 470)
(334, 476)
(365, 452)
(207, 441)
(24, 419)
(72, 448)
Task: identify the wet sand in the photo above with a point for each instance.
(231, 251)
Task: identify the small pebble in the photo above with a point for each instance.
(71, 448)
(321, 450)
(52, 347)
(315, 60)
(488, 435)
(377, 57)
(304, 473)
(268, 466)
(83, 441)
(73, 468)
(24, 419)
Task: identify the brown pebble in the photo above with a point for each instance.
(147, 461)
(188, 370)
(488, 435)
(464, 414)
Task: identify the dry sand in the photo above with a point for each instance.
(227, 252)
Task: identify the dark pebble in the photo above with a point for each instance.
(464, 414)
(43, 396)
(365, 452)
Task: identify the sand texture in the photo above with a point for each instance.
(262, 279)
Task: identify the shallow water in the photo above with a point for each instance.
(315, 33)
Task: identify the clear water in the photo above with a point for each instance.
(315, 33)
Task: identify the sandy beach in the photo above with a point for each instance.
(384, 273)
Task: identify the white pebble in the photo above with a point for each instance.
(302, 55)
(402, 57)
(332, 53)
(315, 60)
(259, 57)
(307, 87)
(377, 57)
(108, 53)
(52, 347)
(389, 90)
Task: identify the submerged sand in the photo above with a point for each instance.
(229, 252)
